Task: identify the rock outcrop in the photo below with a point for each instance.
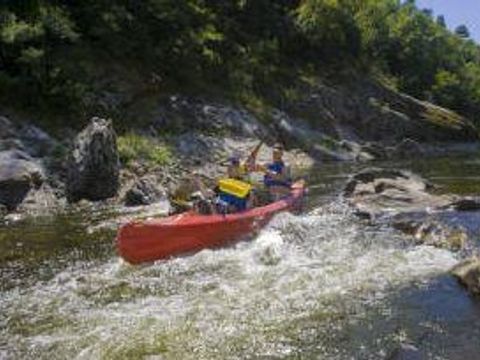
(364, 110)
(376, 191)
(18, 175)
(93, 168)
(468, 274)
(402, 200)
(145, 191)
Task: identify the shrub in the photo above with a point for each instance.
(136, 147)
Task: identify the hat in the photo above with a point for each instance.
(278, 146)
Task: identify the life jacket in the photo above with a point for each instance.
(277, 167)
(234, 192)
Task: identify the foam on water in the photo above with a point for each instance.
(246, 300)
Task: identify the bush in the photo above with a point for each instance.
(133, 147)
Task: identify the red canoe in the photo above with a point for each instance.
(156, 239)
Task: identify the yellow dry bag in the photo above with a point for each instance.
(234, 187)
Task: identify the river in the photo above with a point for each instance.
(320, 285)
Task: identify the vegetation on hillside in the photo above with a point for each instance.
(54, 55)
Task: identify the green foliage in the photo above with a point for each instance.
(63, 55)
(462, 31)
(133, 147)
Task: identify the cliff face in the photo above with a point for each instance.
(361, 120)
(365, 110)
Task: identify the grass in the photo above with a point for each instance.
(133, 147)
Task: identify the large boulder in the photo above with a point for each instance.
(468, 274)
(376, 192)
(18, 175)
(145, 191)
(94, 166)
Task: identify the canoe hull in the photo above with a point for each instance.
(156, 239)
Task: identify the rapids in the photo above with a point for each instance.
(322, 284)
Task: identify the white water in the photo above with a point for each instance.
(300, 281)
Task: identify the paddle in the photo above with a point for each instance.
(251, 159)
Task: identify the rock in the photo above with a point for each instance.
(94, 166)
(37, 141)
(7, 129)
(145, 191)
(408, 148)
(295, 133)
(375, 150)
(401, 199)
(406, 352)
(468, 274)
(42, 201)
(466, 204)
(11, 144)
(430, 231)
(18, 175)
(377, 180)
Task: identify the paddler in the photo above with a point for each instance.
(236, 193)
(277, 178)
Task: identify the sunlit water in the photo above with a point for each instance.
(317, 285)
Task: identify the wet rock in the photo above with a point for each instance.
(94, 166)
(381, 181)
(401, 199)
(431, 232)
(18, 175)
(406, 352)
(145, 191)
(468, 274)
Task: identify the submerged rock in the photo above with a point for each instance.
(145, 191)
(94, 166)
(468, 274)
(18, 175)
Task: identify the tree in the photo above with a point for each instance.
(441, 21)
(462, 31)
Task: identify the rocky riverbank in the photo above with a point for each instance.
(362, 122)
(408, 203)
